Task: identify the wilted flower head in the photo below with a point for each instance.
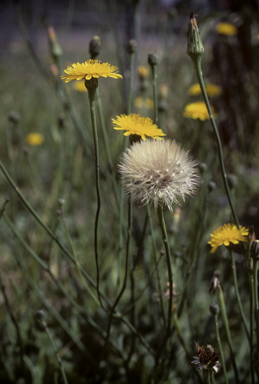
(207, 358)
(158, 171)
(90, 69)
(228, 233)
(226, 29)
(197, 110)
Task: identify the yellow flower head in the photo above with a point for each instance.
(228, 233)
(226, 29)
(143, 71)
(211, 89)
(89, 69)
(80, 86)
(194, 90)
(139, 102)
(137, 125)
(197, 110)
(34, 138)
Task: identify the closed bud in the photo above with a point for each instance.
(232, 181)
(54, 47)
(95, 47)
(214, 309)
(132, 46)
(202, 167)
(153, 59)
(195, 47)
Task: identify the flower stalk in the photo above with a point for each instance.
(91, 86)
(233, 265)
(195, 50)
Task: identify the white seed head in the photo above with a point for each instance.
(158, 171)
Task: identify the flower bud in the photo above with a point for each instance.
(95, 47)
(153, 59)
(54, 47)
(232, 180)
(214, 309)
(14, 117)
(195, 47)
(132, 46)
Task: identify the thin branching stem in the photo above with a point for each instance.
(197, 67)
(233, 265)
(220, 348)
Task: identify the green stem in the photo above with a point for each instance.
(256, 309)
(233, 265)
(180, 335)
(155, 260)
(220, 348)
(197, 67)
(169, 266)
(59, 360)
(91, 94)
(130, 97)
(106, 144)
(225, 320)
(76, 261)
(206, 376)
(126, 272)
(154, 83)
(252, 324)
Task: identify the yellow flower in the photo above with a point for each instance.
(197, 110)
(195, 90)
(34, 138)
(137, 125)
(143, 71)
(89, 69)
(80, 86)
(228, 233)
(226, 29)
(211, 89)
(139, 102)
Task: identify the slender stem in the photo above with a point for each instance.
(156, 263)
(220, 348)
(180, 335)
(106, 144)
(59, 360)
(225, 320)
(169, 266)
(233, 265)
(252, 324)
(206, 376)
(154, 83)
(130, 97)
(91, 94)
(126, 272)
(256, 309)
(76, 260)
(197, 67)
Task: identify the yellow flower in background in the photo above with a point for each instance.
(194, 90)
(228, 233)
(34, 139)
(143, 71)
(79, 86)
(197, 110)
(211, 89)
(226, 29)
(139, 102)
(137, 125)
(89, 69)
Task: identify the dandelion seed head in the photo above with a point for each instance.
(158, 171)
